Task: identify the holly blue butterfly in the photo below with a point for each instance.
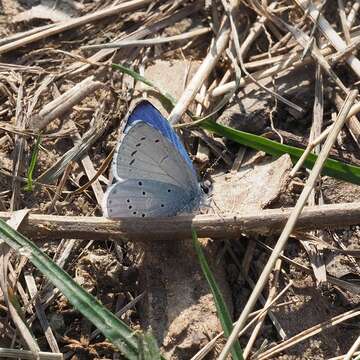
(153, 172)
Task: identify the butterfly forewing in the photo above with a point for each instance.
(145, 154)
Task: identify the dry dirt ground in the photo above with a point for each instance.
(183, 317)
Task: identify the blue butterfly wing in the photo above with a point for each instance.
(155, 176)
(148, 113)
(145, 198)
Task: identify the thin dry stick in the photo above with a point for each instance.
(20, 143)
(101, 170)
(65, 102)
(268, 221)
(26, 354)
(149, 42)
(290, 225)
(354, 109)
(352, 14)
(70, 24)
(285, 61)
(244, 269)
(76, 138)
(257, 315)
(309, 333)
(344, 23)
(15, 221)
(146, 30)
(40, 311)
(352, 123)
(341, 357)
(316, 258)
(59, 187)
(346, 285)
(23, 34)
(254, 32)
(308, 150)
(345, 52)
(215, 51)
(272, 295)
(303, 39)
(352, 350)
(330, 33)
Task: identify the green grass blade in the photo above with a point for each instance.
(167, 99)
(148, 348)
(31, 169)
(112, 327)
(334, 168)
(221, 307)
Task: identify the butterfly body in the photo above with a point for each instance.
(153, 172)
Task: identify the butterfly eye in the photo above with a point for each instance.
(144, 193)
(162, 205)
(130, 207)
(134, 213)
(128, 200)
(169, 190)
(157, 140)
(140, 183)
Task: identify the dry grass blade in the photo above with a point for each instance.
(148, 42)
(346, 285)
(79, 149)
(90, 171)
(303, 39)
(316, 258)
(344, 23)
(146, 30)
(65, 102)
(70, 24)
(353, 349)
(291, 221)
(353, 123)
(269, 300)
(20, 144)
(329, 32)
(215, 51)
(256, 316)
(15, 221)
(31, 285)
(353, 45)
(341, 357)
(353, 12)
(308, 333)
(26, 354)
(101, 170)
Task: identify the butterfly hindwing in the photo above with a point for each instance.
(144, 198)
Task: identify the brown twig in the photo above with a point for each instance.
(217, 227)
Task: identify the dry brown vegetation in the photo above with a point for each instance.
(287, 70)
